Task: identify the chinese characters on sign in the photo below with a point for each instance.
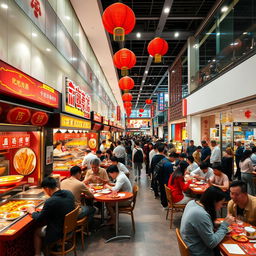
(78, 102)
(19, 85)
(35, 4)
(118, 113)
(160, 101)
(17, 141)
(71, 122)
(152, 110)
(39, 118)
(18, 115)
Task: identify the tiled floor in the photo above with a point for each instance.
(153, 235)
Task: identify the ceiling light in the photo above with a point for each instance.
(213, 60)
(173, 71)
(4, 6)
(218, 33)
(176, 34)
(195, 46)
(166, 10)
(138, 35)
(245, 33)
(34, 34)
(224, 8)
(146, 71)
(143, 81)
(67, 18)
(48, 49)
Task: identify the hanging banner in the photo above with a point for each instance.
(160, 101)
(76, 101)
(19, 85)
(152, 110)
(184, 107)
(118, 113)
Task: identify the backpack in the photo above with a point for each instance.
(138, 156)
(159, 166)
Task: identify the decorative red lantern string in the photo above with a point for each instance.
(127, 104)
(124, 59)
(141, 110)
(148, 101)
(140, 115)
(157, 48)
(119, 20)
(126, 83)
(127, 97)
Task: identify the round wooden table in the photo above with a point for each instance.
(124, 196)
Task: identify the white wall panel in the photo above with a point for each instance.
(236, 84)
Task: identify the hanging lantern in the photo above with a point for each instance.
(119, 20)
(127, 104)
(148, 101)
(157, 48)
(141, 110)
(126, 83)
(124, 59)
(247, 114)
(127, 97)
(140, 115)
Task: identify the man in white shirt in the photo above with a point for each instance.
(216, 155)
(152, 153)
(203, 172)
(122, 185)
(119, 152)
(103, 146)
(89, 156)
(121, 167)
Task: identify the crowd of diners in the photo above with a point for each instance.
(229, 177)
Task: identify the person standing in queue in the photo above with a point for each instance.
(53, 214)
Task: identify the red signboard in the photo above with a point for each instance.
(39, 118)
(118, 113)
(106, 128)
(96, 127)
(152, 110)
(96, 117)
(14, 141)
(184, 107)
(78, 102)
(18, 115)
(17, 84)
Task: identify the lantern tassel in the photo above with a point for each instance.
(119, 34)
(158, 58)
(124, 71)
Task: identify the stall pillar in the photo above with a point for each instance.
(47, 160)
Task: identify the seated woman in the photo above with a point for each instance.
(177, 185)
(197, 223)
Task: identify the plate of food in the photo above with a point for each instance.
(105, 191)
(24, 161)
(24, 208)
(98, 187)
(240, 238)
(13, 215)
(192, 185)
(197, 189)
(199, 182)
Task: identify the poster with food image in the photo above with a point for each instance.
(24, 161)
(92, 141)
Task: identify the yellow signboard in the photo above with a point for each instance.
(72, 122)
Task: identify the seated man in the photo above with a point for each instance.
(77, 187)
(121, 167)
(96, 174)
(219, 179)
(242, 205)
(100, 155)
(53, 213)
(122, 184)
(203, 172)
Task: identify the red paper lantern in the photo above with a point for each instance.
(127, 97)
(18, 115)
(126, 83)
(124, 59)
(119, 20)
(148, 101)
(39, 118)
(247, 114)
(157, 48)
(140, 115)
(127, 104)
(141, 110)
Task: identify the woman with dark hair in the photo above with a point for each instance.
(247, 171)
(109, 154)
(197, 223)
(177, 185)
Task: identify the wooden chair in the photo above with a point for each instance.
(172, 206)
(69, 235)
(82, 227)
(129, 209)
(182, 246)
